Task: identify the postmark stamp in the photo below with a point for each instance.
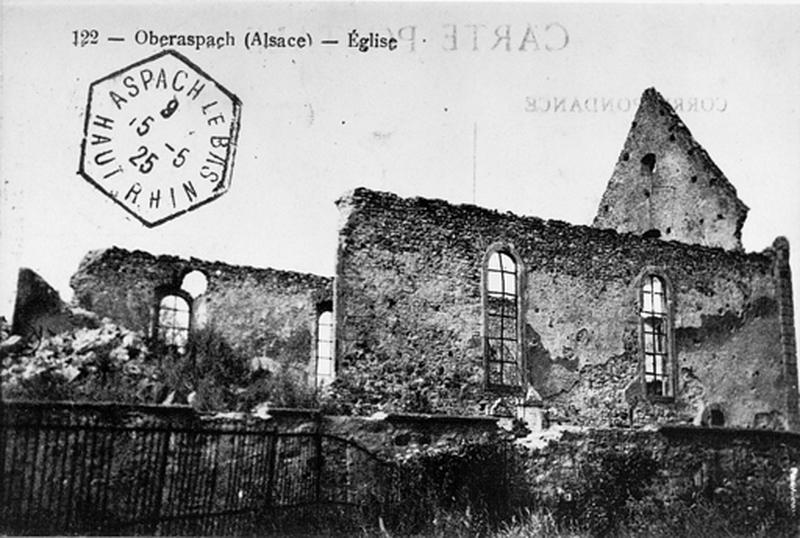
(160, 137)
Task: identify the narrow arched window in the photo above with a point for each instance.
(655, 327)
(501, 320)
(174, 315)
(325, 366)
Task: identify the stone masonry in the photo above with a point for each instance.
(408, 305)
(259, 312)
(411, 301)
(665, 183)
(411, 307)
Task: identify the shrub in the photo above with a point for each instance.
(111, 363)
(462, 486)
(209, 367)
(607, 481)
(540, 523)
(286, 387)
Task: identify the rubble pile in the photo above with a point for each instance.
(104, 363)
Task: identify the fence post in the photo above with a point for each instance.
(273, 454)
(162, 476)
(318, 458)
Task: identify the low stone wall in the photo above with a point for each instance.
(551, 466)
(687, 461)
(385, 435)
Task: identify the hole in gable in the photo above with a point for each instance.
(648, 163)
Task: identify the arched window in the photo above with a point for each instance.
(655, 330)
(325, 366)
(501, 320)
(174, 314)
(713, 415)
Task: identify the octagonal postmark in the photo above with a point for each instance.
(160, 137)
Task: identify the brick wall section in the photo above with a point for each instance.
(260, 312)
(409, 316)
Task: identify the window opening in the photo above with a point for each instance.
(655, 337)
(648, 163)
(717, 417)
(174, 314)
(502, 314)
(325, 365)
(194, 283)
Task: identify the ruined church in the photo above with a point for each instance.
(652, 315)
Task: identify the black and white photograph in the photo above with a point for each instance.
(385, 269)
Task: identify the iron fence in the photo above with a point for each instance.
(91, 476)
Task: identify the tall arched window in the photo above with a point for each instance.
(501, 320)
(325, 366)
(174, 314)
(655, 330)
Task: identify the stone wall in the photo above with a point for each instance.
(39, 311)
(746, 471)
(689, 461)
(409, 319)
(664, 182)
(259, 312)
(384, 435)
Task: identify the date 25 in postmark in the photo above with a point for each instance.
(160, 137)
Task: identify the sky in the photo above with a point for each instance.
(463, 109)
